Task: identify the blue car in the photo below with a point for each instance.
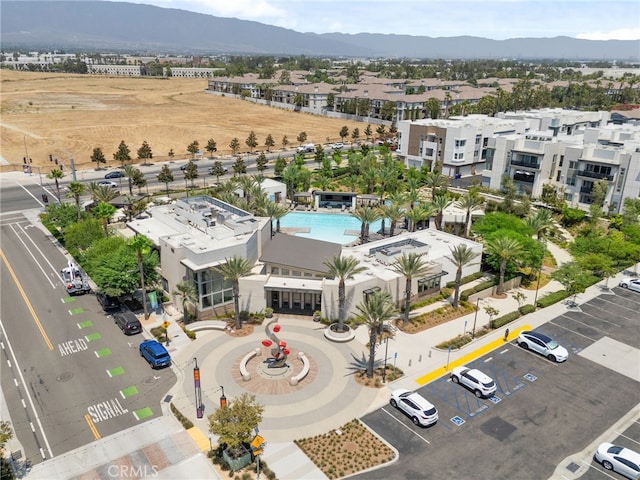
(155, 353)
(114, 174)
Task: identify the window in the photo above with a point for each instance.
(212, 288)
(296, 273)
(285, 271)
(620, 179)
(275, 270)
(561, 160)
(461, 143)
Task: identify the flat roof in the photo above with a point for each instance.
(298, 252)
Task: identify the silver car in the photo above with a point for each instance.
(419, 409)
(619, 459)
(630, 284)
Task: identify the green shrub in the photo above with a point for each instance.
(465, 294)
(552, 298)
(190, 334)
(457, 342)
(244, 316)
(186, 423)
(467, 279)
(528, 308)
(503, 320)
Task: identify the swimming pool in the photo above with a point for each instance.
(328, 227)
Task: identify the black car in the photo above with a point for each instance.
(114, 174)
(128, 323)
(224, 171)
(107, 302)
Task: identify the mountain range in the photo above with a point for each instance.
(99, 26)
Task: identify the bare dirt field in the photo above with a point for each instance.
(67, 116)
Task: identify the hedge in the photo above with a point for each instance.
(186, 423)
(478, 288)
(552, 298)
(503, 320)
(528, 308)
(467, 279)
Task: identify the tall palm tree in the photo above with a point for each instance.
(440, 202)
(469, 202)
(394, 213)
(277, 211)
(373, 312)
(129, 172)
(101, 193)
(290, 176)
(343, 268)
(235, 268)
(76, 189)
(504, 249)
(410, 265)
(435, 180)
(366, 215)
(56, 175)
(541, 221)
(104, 211)
(142, 246)
(246, 182)
(461, 256)
(424, 212)
(188, 294)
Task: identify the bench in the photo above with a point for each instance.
(246, 376)
(293, 381)
(207, 325)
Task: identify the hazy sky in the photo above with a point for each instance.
(497, 19)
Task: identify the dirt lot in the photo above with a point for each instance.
(69, 115)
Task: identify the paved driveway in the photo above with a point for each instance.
(542, 411)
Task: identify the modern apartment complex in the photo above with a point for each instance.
(568, 149)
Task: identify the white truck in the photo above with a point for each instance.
(306, 148)
(75, 280)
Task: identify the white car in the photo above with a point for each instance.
(542, 344)
(630, 284)
(107, 183)
(619, 459)
(419, 409)
(337, 146)
(481, 384)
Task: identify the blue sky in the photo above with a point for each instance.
(496, 19)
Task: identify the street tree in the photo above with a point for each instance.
(285, 142)
(101, 193)
(355, 134)
(165, 176)
(122, 154)
(6, 434)
(251, 141)
(191, 173)
(368, 131)
(461, 256)
(129, 172)
(302, 137)
(573, 278)
(98, 157)
(188, 294)
(80, 236)
(343, 268)
(232, 270)
(261, 162)
(193, 148)
(235, 423)
(144, 152)
(410, 266)
(56, 175)
(217, 170)
(76, 190)
(269, 142)
(239, 166)
(138, 179)
(171, 154)
(211, 147)
(344, 132)
(234, 145)
(374, 311)
(142, 246)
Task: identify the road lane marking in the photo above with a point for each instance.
(114, 372)
(469, 357)
(92, 337)
(75, 311)
(26, 391)
(26, 301)
(411, 430)
(103, 353)
(28, 250)
(129, 391)
(85, 324)
(92, 427)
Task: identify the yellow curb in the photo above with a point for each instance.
(200, 438)
(437, 373)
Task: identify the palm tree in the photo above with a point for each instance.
(55, 175)
(409, 266)
(541, 221)
(76, 189)
(129, 172)
(424, 212)
(440, 202)
(373, 312)
(277, 211)
(366, 215)
(461, 256)
(343, 268)
(235, 268)
(188, 294)
(469, 202)
(394, 213)
(505, 249)
(435, 180)
(142, 246)
(246, 182)
(104, 211)
(101, 193)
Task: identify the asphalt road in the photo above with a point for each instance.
(69, 375)
(542, 412)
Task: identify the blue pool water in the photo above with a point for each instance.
(329, 227)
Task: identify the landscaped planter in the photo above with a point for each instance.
(237, 462)
(332, 333)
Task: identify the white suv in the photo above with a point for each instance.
(544, 345)
(421, 411)
(481, 384)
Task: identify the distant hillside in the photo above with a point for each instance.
(111, 26)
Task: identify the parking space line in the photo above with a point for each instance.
(628, 438)
(572, 331)
(411, 430)
(469, 357)
(591, 326)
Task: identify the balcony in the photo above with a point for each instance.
(597, 176)
(586, 189)
(523, 163)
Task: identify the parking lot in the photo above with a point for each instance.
(542, 412)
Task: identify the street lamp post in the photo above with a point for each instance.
(535, 298)
(384, 370)
(473, 333)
